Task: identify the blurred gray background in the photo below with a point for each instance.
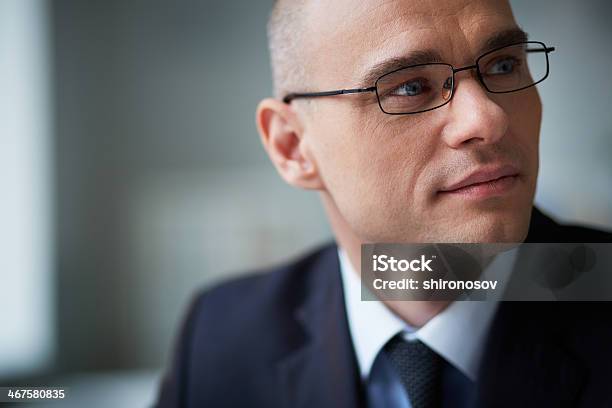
(154, 182)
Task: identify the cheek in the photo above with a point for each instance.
(371, 167)
(392, 152)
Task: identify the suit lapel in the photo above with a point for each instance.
(321, 370)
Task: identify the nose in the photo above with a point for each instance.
(473, 117)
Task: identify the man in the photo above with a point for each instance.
(416, 122)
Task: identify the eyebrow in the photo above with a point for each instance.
(497, 40)
(503, 38)
(394, 63)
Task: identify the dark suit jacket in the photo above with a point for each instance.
(281, 339)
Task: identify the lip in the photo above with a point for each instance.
(485, 181)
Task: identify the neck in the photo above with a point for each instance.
(415, 313)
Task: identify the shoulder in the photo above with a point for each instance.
(234, 332)
(264, 294)
(260, 307)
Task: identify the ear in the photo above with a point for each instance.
(282, 135)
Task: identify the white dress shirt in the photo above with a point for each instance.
(457, 333)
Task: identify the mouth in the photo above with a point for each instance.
(484, 182)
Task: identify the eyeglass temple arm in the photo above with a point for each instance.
(546, 50)
(288, 98)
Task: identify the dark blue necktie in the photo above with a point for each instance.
(420, 370)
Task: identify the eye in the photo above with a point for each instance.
(503, 66)
(413, 87)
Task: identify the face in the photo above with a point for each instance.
(465, 172)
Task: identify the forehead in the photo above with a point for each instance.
(348, 36)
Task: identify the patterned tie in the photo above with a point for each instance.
(420, 370)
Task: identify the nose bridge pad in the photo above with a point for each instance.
(447, 88)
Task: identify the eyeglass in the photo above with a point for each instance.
(424, 87)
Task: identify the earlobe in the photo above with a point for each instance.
(282, 136)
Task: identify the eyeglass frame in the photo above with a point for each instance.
(547, 50)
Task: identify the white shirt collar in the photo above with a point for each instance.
(457, 333)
